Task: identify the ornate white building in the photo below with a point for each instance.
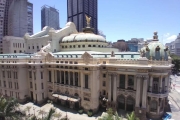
(77, 69)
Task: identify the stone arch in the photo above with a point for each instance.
(130, 102)
(121, 102)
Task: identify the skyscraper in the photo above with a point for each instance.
(49, 17)
(20, 19)
(4, 8)
(76, 11)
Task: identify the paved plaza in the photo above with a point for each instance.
(72, 114)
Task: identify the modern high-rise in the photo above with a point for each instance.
(20, 19)
(77, 9)
(49, 17)
(4, 8)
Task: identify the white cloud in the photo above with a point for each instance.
(171, 38)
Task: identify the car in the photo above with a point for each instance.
(166, 116)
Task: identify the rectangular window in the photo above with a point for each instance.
(17, 86)
(122, 56)
(41, 75)
(104, 75)
(86, 81)
(42, 86)
(66, 77)
(130, 82)
(62, 77)
(34, 75)
(104, 83)
(3, 74)
(35, 86)
(31, 85)
(30, 74)
(16, 75)
(132, 56)
(71, 78)
(122, 81)
(4, 83)
(49, 76)
(42, 95)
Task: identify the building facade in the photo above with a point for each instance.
(174, 46)
(20, 19)
(77, 9)
(49, 17)
(79, 70)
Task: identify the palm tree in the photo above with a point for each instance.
(132, 116)
(50, 114)
(8, 108)
(57, 115)
(28, 109)
(41, 112)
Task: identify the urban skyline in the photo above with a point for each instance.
(76, 11)
(135, 20)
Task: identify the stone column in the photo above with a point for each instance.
(69, 77)
(126, 81)
(151, 83)
(82, 82)
(114, 87)
(137, 90)
(55, 76)
(60, 76)
(73, 78)
(144, 96)
(135, 83)
(52, 78)
(160, 85)
(64, 77)
(166, 83)
(109, 90)
(80, 79)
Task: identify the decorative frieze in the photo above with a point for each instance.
(142, 71)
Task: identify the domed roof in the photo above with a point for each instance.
(155, 50)
(84, 36)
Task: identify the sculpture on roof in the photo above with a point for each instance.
(112, 54)
(46, 49)
(88, 20)
(142, 53)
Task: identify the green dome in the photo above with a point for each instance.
(155, 50)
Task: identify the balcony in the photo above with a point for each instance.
(158, 95)
(87, 89)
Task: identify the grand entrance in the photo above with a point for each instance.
(130, 104)
(121, 102)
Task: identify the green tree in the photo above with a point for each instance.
(176, 62)
(8, 108)
(110, 116)
(132, 116)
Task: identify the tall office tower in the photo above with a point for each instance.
(30, 17)
(2, 9)
(49, 17)
(18, 24)
(76, 11)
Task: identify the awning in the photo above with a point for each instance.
(64, 97)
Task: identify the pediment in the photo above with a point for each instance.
(49, 56)
(86, 57)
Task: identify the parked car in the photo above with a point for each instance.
(166, 116)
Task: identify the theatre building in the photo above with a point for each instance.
(79, 70)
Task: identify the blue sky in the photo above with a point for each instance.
(126, 19)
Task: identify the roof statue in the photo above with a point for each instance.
(88, 20)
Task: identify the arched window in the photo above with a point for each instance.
(89, 45)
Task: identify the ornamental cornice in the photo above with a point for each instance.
(145, 77)
(142, 71)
